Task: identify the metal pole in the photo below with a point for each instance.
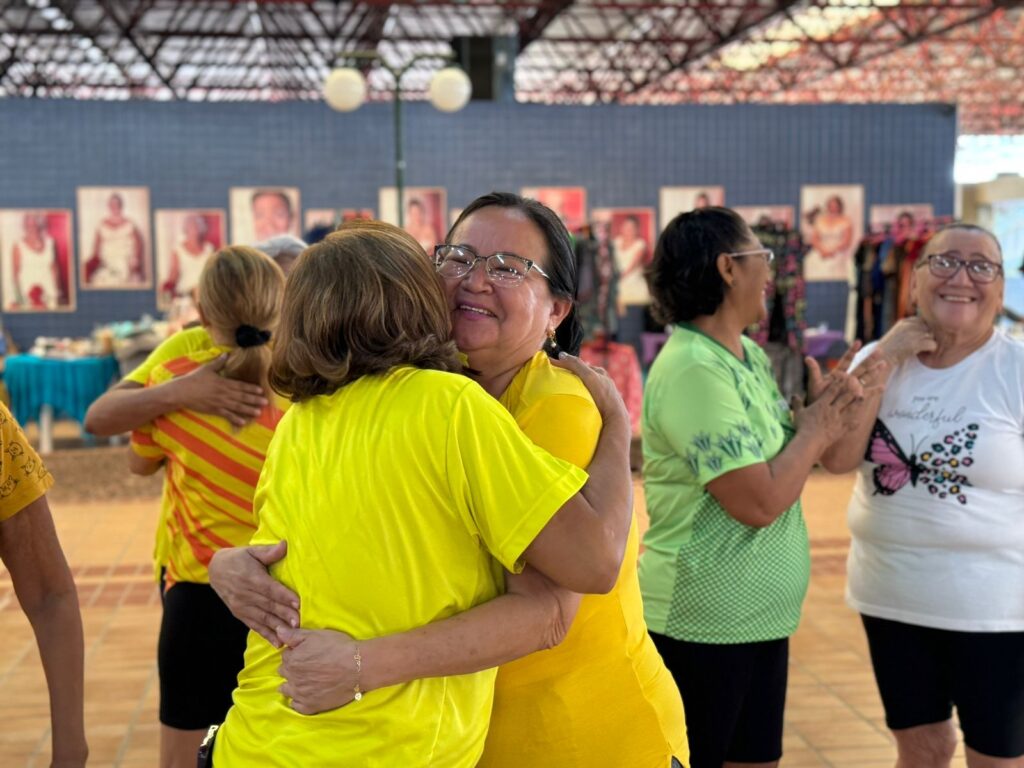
(399, 155)
(397, 74)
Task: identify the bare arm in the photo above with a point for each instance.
(758, 494)
(906, 339)
(319, 665)
(46, 591)
(128, 405)
(139, 465)
(582, 546)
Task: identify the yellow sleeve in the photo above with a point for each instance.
(506, 488)
(566, 426)
(23, 476)
(181, 344)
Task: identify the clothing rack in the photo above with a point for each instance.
(884, 260)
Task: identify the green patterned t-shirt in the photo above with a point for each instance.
(706, 577)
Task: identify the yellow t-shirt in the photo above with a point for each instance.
(181, 344)
(603, 696)
(399, 495)
(210, 476)
(23, 476)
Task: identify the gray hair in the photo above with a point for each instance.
(282, 247)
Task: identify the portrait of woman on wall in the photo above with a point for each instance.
(185, 239)
(569, 203)
(424, 210)
(113, 226)
(832, 223)
(260, 213)
(35, 251)
(675, 200)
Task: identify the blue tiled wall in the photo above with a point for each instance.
(190, 154)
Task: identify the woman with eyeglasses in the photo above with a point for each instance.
(596, 693)
(936, 567)
(726, 559)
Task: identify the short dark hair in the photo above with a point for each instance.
(360, 302)
(561, 269)
(683, 276)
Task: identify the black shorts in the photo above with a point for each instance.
(922, 673)
(200, 653)
(734, 696)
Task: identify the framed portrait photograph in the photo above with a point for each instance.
(832, 224)
(185, 239)
(425, 209)
(314, 218)
(901, 221)
(632, 236)
(675, 200)
(756, 215)
(260, 213)
(354, 214)
(114, 248)
(570, 203)
(36, 255)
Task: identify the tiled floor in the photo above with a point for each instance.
(834, 717)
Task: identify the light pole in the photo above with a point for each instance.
(345, 90)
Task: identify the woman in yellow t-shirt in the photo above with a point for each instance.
(402, 490)
(600, 694)
(210, 481)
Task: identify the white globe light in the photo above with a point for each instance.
(450, 89)
(345, 89)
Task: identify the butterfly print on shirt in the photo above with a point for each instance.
(938, 467)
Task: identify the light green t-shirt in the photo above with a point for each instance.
(706, 577)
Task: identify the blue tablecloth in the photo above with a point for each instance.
(70, 386)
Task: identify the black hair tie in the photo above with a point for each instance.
(250, 336)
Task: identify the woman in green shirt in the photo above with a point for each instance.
(726, 560)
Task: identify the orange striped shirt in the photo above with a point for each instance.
(210, 475)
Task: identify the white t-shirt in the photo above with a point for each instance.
(937, 513)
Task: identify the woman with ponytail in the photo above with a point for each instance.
(509, 274)
(211, 472)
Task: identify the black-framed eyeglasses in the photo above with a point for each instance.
(979, 269)
(505, 269)
(765, 253)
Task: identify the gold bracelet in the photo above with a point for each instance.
(358, 694)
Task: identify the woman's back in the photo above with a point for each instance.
(210, 478)
(393, 492)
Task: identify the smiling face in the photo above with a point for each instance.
(751, 280)
(271, 215)
(502, 327)
(958, 304)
